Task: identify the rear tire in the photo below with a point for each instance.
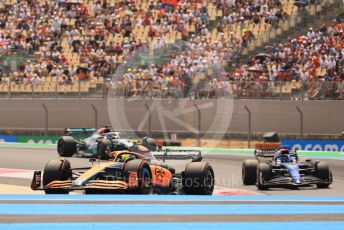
(198, 179)
(66, 146)
(322, 171)
(144, 175)
(249, 172)
(104, 149)
(58, 169)
(264, 173)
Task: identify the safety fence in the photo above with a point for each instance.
(282, 90)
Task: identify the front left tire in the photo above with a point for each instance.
(249, 172)
(144, 176)
(58, 169)
(264, 173)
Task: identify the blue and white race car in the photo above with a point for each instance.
(282, 168)
(99, 143)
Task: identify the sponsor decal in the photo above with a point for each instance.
(133, 179)
(40, 139)
(8, 138)
(37, 139)
(315, 145)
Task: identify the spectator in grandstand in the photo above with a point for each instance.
(35, 80)
(315, 60)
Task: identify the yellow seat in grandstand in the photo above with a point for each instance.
(47, 89)
(93, 84)
(84, 89)
(286, 89)
(219, 13)
(74, 88)
(21, 89)
(38, 88)
(14, 88)
(276, 90)
(28, 88)
(61, 89)
(5, 88)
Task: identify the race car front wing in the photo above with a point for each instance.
(305, 181)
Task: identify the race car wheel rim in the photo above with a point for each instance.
(146, 184)
(209, 182)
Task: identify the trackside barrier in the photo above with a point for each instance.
(315, 145)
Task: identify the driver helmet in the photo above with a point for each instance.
(109, 136)
(103, 130)
(282, 155)
(285, 159)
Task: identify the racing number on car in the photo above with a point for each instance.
(159, 175)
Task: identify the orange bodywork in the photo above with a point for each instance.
(161, 176)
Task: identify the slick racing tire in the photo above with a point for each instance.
(198, 179)
(264, 173)
(104, 149)
(66, 146)
(58, 169)
(144, 176)
(249, 172)
(322, 171)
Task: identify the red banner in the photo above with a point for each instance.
(171, 2)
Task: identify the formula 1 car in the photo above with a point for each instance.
(282, 168)
(99, 143)
(127, 172)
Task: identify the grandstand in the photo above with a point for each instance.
(64, 48)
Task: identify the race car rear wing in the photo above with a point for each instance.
(160, 143)
(79, 131)
(172, 154)
(266, 149)
(267, 146)
(264, 153)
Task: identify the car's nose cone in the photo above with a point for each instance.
(297, 181)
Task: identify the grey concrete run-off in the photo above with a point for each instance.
(320, 117)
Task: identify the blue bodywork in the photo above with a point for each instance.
(284, 159)
(286, 169)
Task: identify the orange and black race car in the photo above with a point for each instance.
(127, 172)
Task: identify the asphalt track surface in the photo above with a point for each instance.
(306, 208)
(227, 171)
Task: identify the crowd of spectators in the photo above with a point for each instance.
(315, 61)
(84, 39)
(188, 73)
(68, 37)
(311, 65)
